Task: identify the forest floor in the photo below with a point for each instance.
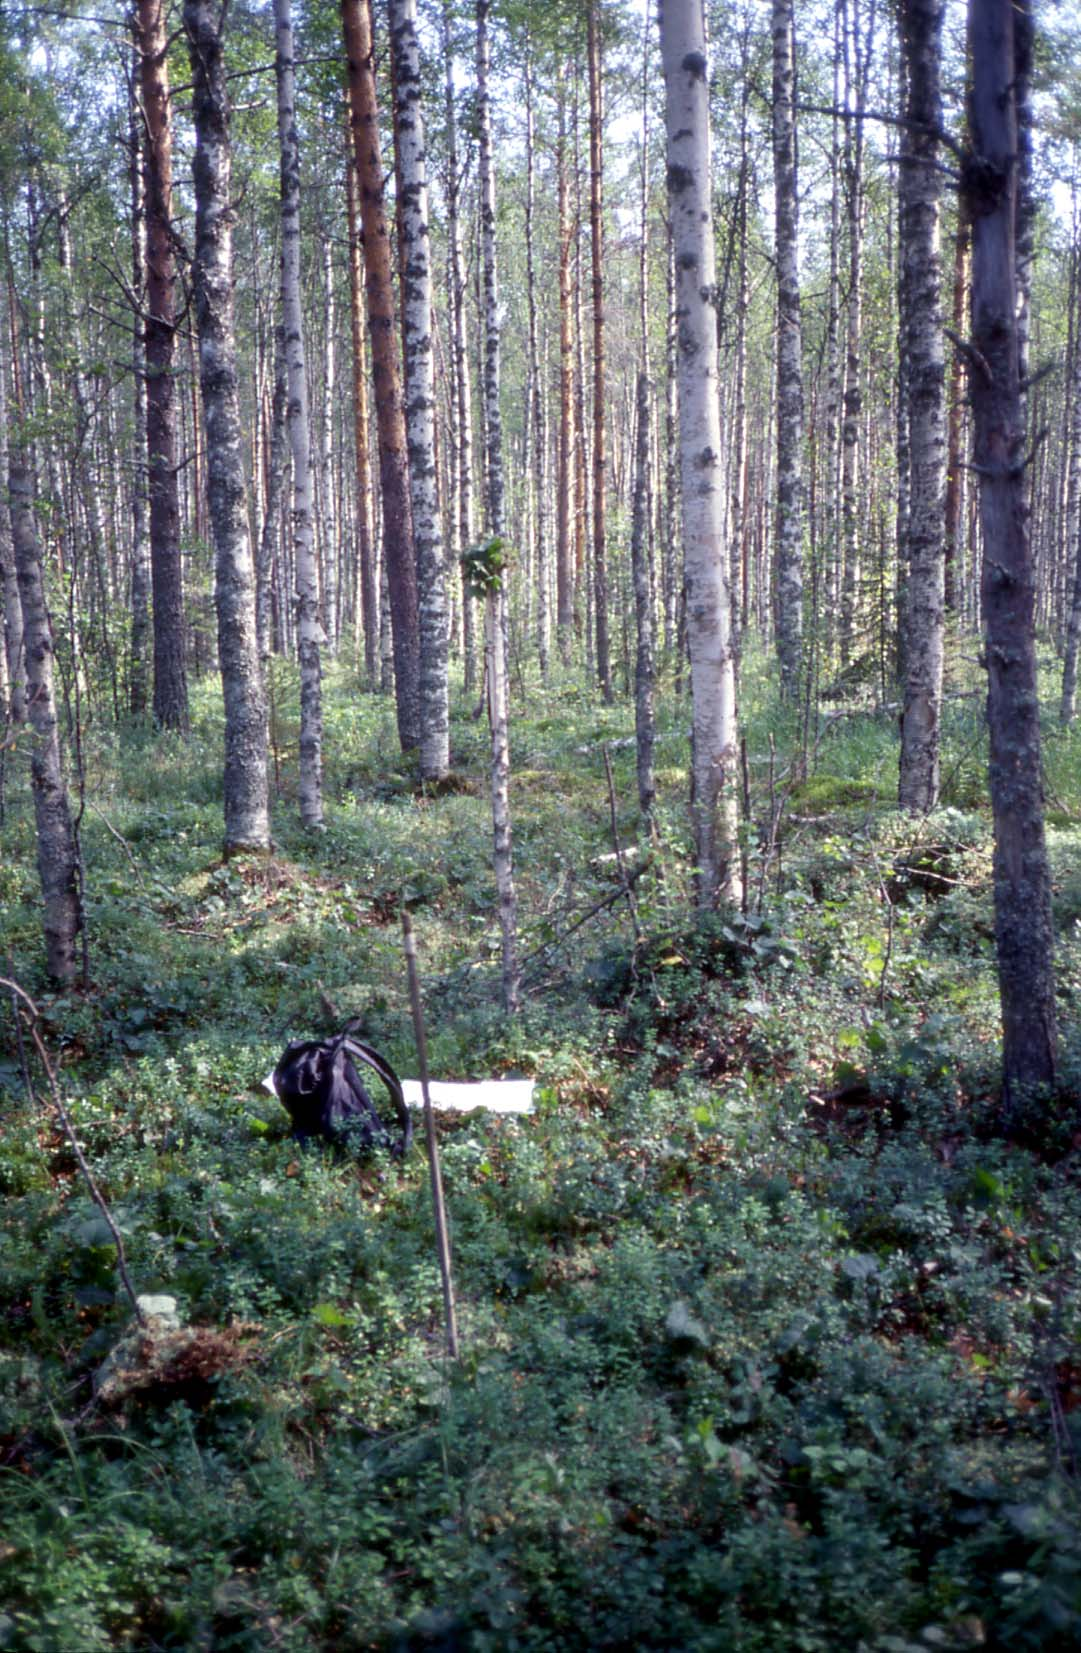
(767, 1341)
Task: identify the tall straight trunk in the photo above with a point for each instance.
(600, 461)
(495, 617)
(1072, 559)
(565, 581)
(834, 375)
(247, 822)
(536, 477)
(13, 709)
(643, 605)
(310, 779)
(1022, 884)
(713, 686)
(328, 537)
(789, 529)
(57, 856)
(463, 388)
(170, 672)
(277, 465)
(671, 574)
(140, 658)
(398, 555)
(418, 331)
(855, 61)
(955, 429)
(923, 555)
(367, 589)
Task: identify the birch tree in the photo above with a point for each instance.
(307, 580)
(494, 563)
(923, 344)
(600, 461)
(420, 407)
(789, 516)
(57, 858)
(1022, 884)
(709, 641)
(247, 821)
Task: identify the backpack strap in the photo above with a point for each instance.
(361, 1052)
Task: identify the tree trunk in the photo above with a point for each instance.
(495, 605)
(420, 411)
(170, 672)
(368, 605)
(855, 62)
(535, 480)
(398, 555)
(140, 659)
(565, 488)
(328, 537)
(789, 529)
(463, 392)
(13, 709)
(955, 430)
(57, 859)
(310, 780)
(277, 465)
(921, 326)
(1022, 886)
(600, 461)
(715, 743)
(643, 606)
(247, 822)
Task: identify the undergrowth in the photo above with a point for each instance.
(768, 1341)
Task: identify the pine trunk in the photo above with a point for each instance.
(247, 822)
(398, 556)
(420, 410)
(13, 709)
(600, 459)
(565, 491)
(140, 659)
(923, 555)
(715, 743)
(1022, 886)
(309, 632)
(368, 595)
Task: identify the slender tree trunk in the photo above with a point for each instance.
(310, 784)
(923, 555)
(368, 605)
(715, 742)
(854, 62)
(789, 529)
(495, 606)
(420, 410)
(1022, 885)
(247, 822)
(643, 606)
(57, 858)
(600, 459)
(671, 571)
(277, 465)
(535, 478)
(463, 390)
(14, 708)
(398, 555)
(328, 537)
(565, 492)
(955, 429)
(170, 672)
(140, 661)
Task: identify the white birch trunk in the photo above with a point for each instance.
(57, 859)
(329, 535)
(715, 745)
(307, 584)
(247, 821)
(789, 519)
(420, 399)
(495, 606)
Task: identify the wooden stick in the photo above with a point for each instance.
(442, 1237)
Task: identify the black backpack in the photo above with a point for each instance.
(317, 1082)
